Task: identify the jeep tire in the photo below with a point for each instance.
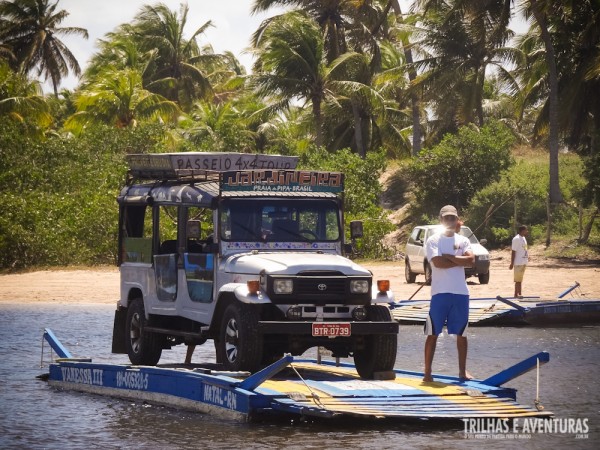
(143, 348)
(427, 274)
(240, 346)
(379, 351)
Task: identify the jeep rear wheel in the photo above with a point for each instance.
(379, 351)
(410, 276)
(240, 344)
(143, 348)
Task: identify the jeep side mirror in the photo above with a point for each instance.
(356, 229)
(483, 241)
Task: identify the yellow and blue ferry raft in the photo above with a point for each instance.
(297, 388)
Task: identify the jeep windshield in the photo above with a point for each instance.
(279, 220)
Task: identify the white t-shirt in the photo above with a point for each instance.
(451, 280)
(519, 246)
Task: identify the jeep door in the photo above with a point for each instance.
(415, 250)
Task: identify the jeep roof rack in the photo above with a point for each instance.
(200, 166)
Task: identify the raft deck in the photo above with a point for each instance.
(298, 387)
(501, 311)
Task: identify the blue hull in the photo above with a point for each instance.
(299, 388)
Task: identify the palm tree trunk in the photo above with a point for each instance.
(316, 106)
(412, 75)
(540, 17)
(588, 228)
(479, 96)
(358, 135)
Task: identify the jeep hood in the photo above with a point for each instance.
(291, 263)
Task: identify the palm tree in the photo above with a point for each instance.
(538, 10)
(21, 100)
(118, 98)
(290, 65)
(119, 50)
(219, 127)
(461, 40)
(30, 28)
(412, 76)
(356, 105)
(329, 15)
(175, 71)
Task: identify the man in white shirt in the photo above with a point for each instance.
(448, 254)
(519, 258)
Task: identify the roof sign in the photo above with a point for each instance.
(174, 165)
(282, 181)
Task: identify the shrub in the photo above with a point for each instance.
(362, 190)
(460, 165)
(523, 190)
(58, 196)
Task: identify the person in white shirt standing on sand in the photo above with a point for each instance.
(448, 253)
(519, 258)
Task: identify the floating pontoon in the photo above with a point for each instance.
(297, 388)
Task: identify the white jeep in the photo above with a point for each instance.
(247, 251)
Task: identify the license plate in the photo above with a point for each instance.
(331, 329)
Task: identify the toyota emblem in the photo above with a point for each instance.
(322, 287)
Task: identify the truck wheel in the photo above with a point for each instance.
(240, 344)
(427, 274)
(410, 276)
(379, 352)
(484, 278)
(143, 348)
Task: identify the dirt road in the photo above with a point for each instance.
(544, 278)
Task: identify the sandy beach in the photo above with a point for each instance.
(544, 278)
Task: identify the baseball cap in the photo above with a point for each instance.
(448, 210)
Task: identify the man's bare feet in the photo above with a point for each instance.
(465, 376)
(428, 378)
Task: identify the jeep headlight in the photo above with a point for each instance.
(359, 286)
(283, 286)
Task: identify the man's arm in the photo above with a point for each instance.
(512, 259)
(466, 260)
(441, 262)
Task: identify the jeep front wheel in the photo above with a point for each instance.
(408, 274)
(240, 344)
(484, 278)
(379, 351)
(143, 348)
(427, 274)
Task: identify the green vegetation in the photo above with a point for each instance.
(460, 165)
(344, 85)
(58, 197)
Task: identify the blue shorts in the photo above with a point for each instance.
(449, 309)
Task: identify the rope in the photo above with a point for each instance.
(316, 398)
(537, 403)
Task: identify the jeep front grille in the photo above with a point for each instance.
(320, 288)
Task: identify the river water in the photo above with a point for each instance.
(34, 415)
